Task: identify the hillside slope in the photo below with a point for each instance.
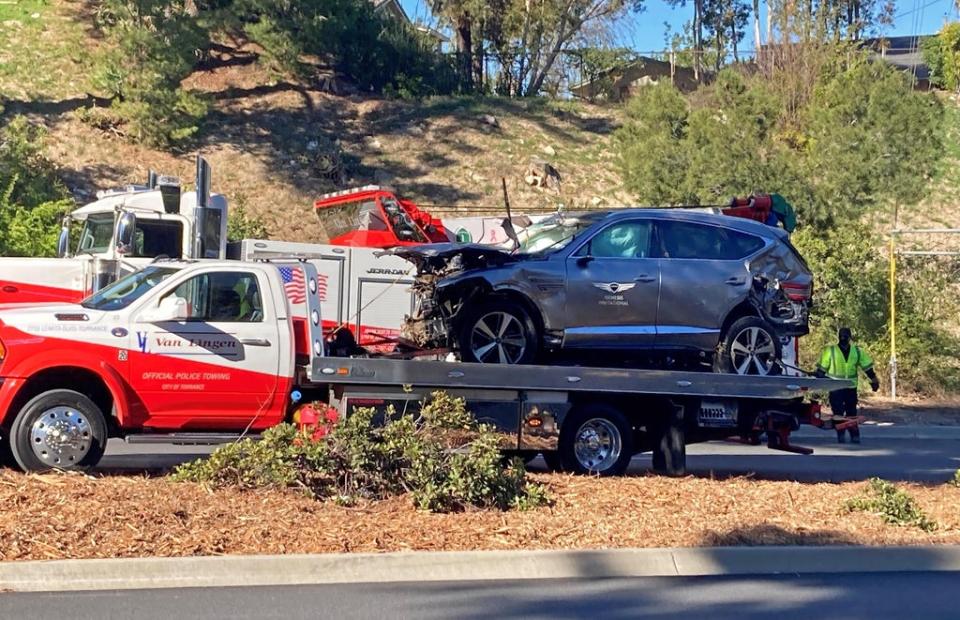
(264, 134)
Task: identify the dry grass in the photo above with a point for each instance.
(72, 516)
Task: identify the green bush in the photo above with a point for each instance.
(942, 55)
(852, 289)
(32, 198)
(956, 478)
(893, 505)
(242, 225)
(441, 457)
(863, 140)
(152, 45)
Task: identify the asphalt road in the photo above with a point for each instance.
(893, 459)
(853, 596)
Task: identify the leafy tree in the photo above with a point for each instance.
(864, 140)
(942, 55)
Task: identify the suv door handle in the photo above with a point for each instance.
(735, 281)
(255, 342)
(644, 278)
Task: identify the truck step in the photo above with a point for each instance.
(187, 439)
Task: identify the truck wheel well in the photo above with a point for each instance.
(81, 380)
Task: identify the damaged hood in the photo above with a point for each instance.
(447, 257)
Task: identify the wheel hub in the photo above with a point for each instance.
(60, 437)
(498, 337)
(598, 445)
(753, 352)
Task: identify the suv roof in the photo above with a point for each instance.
(682, 215)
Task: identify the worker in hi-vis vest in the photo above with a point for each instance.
(843, 361)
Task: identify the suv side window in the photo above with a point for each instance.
(222, 297)
(630, 239)
(699, 241)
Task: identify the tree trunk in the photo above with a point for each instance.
(769, 21)
(697, 39)
(757, 41)
(465, 50)
(733, 40)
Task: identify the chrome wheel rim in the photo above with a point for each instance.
(61, 437)
(498, 338)
(753, 352)
(597, 445)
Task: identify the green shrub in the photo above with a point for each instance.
(152, 45)
(893, 505)
(863, 140)
(942, 55)
(32, 198)
(852, 289)
(242, 225)
(441, 457)
(956, 478)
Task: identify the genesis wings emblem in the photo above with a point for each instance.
(614, 287)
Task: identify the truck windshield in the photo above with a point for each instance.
(96, 235)
(127, 290)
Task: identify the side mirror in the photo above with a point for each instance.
(126, 227)
(63, 242)
(583, 261)
(169, 309)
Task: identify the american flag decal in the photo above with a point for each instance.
(293, 284)
(322, 286)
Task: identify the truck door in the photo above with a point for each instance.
(218, 368)
(613, 288)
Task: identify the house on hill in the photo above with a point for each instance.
(904, 54)
(620, 83)
(393, 10)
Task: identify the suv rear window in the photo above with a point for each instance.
(699, 241)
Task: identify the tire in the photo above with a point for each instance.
(669, 444)
(498, 332)
(749, 347)
(596, 439)
(35, 448)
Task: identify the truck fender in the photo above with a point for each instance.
(41, 362)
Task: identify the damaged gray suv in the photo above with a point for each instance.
(640, 283)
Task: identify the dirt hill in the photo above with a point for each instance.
(264, 134)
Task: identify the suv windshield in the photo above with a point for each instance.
(550, 237)
(127, 290)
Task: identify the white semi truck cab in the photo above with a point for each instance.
(121, 232)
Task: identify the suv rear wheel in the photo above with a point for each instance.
(497, 332)
(749, 347)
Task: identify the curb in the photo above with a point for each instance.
(273, 570)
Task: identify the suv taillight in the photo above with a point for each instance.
(796, 291)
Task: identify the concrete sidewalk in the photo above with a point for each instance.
(223, 571)
(888, 430)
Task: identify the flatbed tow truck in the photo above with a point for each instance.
(205, 352)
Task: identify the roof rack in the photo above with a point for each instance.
(355, 190)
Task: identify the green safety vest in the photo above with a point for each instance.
(837, 366)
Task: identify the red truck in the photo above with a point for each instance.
(204, 352)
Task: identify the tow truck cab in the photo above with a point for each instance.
(122, 231)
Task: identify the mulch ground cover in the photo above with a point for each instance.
(58, 516)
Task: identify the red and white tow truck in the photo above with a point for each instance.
(203, 352)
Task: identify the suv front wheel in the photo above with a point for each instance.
(749, 347)
(497, 332)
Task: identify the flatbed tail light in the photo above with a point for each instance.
(3, 351)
